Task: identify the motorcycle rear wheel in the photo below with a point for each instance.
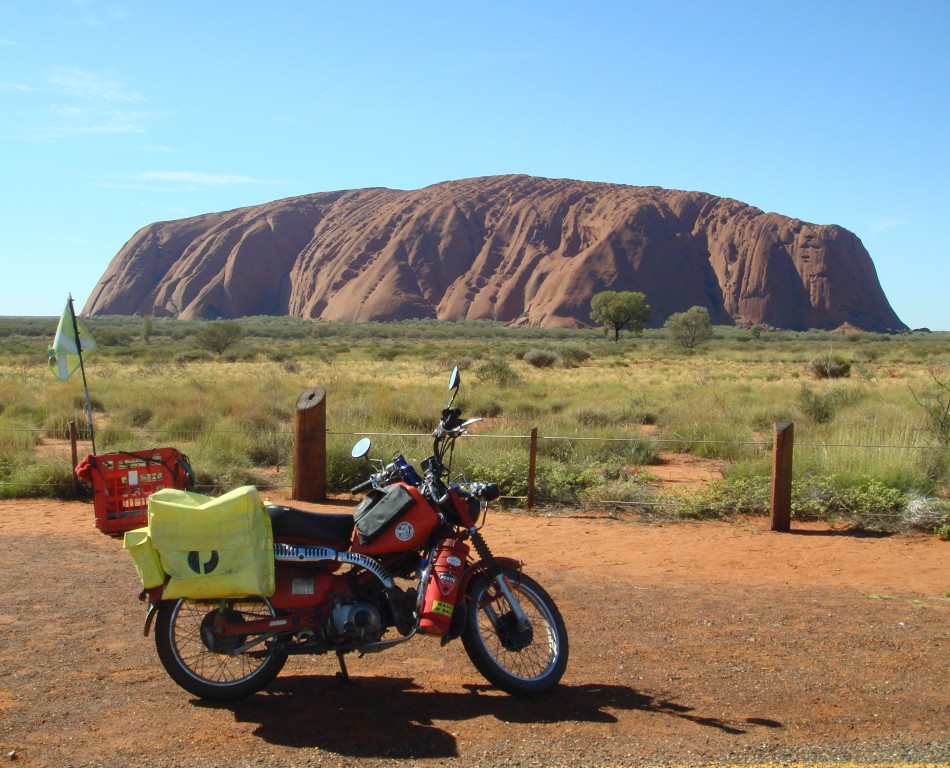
(519, 662)
(201, 663)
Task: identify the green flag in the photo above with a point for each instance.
(64, 353)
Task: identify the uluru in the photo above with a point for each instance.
(515, 249)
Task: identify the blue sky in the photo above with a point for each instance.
(118, 113)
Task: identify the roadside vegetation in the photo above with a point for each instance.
(870, 410)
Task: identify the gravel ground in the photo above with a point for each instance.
(690, 644)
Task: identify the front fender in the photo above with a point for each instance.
(459, 614)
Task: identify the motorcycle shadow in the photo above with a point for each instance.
(396, 718)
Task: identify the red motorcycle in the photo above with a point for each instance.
(401, 565)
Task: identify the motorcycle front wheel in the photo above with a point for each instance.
(520, 661)
(209, 666)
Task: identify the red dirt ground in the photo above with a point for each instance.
(708, 642)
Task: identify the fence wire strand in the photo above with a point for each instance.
(600, 503)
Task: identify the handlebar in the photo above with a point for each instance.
(362, 487)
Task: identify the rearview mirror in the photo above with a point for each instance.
(361, 448)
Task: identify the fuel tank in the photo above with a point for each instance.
(393, 519)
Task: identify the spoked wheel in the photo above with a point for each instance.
(208, 665)
(523, 661)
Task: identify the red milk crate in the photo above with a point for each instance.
(122, 483)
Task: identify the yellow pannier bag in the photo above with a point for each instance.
(139, 545)
(212, 547)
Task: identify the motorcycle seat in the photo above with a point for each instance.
(300, 524)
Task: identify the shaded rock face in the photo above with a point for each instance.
(506, 248)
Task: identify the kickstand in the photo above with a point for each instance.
(343, 676)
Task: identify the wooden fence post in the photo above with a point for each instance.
(782, 476)
(310, 446)
(532, 465)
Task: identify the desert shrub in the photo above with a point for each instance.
(628, 452)
(193, 356)
(183, 426)
(272, 447)
(829, 367)
(139, 416)
(241, 355)
(508, 469)
(868, 503)
(616, 415)
(540, 358)
(822, 407)
(744, 495)
(498, 371)
(864, 502)
(488, 407)
(594, 417)
(290, 366)
(817, 406)
(563, 482)
(926, 513)
(388, 353)
(114, 437)
(573, 354)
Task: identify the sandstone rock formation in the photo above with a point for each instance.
(507, 248)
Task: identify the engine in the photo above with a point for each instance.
(355, 622)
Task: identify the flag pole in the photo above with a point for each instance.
(85, 386)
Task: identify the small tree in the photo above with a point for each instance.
(690, 328)
(619, 310)
(219, 335)
(936, 407)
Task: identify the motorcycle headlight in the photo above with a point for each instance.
(474, 509)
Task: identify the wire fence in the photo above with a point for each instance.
(649, 492)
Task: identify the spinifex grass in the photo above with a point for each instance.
(602, 416)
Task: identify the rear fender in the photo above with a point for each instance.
(459, 615)
(154, 597)
(150, 614)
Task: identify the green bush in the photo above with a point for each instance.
(139, 415)
(540, 358)
(822, 407)
(865, 502)
(818, 407)
(573, 354)
(829, 367)
(497, 371)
